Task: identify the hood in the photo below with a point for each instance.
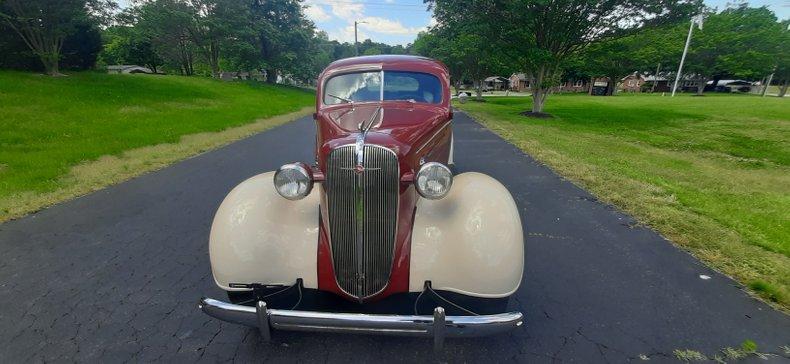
(399, 126)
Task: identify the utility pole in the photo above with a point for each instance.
(768, 83)
(698, 20)
(356, 42)
(655, 78)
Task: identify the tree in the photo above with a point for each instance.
(214, 23)
(125, 45)
(738, 42)
(782, 70)
(284, 35)
(640, 52)
(44, 25)
(430, 44)
(166, 24)
(467, 46)
(539, 35)
(81, 47)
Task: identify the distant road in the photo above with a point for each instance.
(115, 275)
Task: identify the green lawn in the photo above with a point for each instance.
(710, 173)
(50, 126)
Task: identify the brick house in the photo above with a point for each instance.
(519, 82)
(580, 85)
(662, 84)
(496, 83)
(632, 83)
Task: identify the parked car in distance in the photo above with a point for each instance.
(377, 235)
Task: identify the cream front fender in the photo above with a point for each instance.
(469, 242)
(260, 237)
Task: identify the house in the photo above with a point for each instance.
(519, 82)
(730, 86)
(632, 83)
(657, 84)
(496, 83)
(599, 87)
(573, 85)
(128, 69)
(230, 76)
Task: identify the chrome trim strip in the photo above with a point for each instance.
(359, 217)
(399, 325)
(433, 136)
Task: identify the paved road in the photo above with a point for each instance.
(115, 275)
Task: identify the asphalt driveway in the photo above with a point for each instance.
(116, 275)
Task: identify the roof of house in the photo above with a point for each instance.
(635, 74)
(731, 82)
(495, 79)
(123, 66)
(129, 68)
(652, 78)
(521, 76)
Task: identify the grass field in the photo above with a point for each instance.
(57, 133)
(710, 173)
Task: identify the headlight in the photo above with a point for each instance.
(293, 181)
(433, 180)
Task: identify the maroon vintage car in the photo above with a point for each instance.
(390, 236)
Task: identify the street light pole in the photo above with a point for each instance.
(356, 42)
(768, 82)
(697, 19)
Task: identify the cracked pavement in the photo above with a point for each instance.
(115, 276)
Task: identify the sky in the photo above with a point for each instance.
(399, 21)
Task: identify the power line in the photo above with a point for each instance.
(341, 2)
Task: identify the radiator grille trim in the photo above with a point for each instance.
(362, 218)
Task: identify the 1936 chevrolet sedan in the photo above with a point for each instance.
(378, 228)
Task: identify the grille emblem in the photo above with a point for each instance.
(358, 169)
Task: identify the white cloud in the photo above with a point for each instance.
(348, 11)
(376, 24)
(316, 13)
(346, 34)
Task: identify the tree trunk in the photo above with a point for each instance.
(701, 86)
(539, 91)
(590, 86)
(54, 68)
(214, 58)
(715, 82)
(655, 78)
(478, 90)
(610, 86)
(783, 89)
(271, 75)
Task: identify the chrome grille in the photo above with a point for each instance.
(362, 217)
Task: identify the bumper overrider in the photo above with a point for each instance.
(439, 326)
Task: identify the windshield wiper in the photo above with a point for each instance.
(365, 126)
(348, 101)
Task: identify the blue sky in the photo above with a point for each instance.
(399, 21)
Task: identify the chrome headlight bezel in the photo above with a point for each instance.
(432, 171)
(298, 173)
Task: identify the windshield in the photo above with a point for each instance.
(398, 85)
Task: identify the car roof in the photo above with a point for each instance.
(387, 61)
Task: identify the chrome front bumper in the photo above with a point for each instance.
(437, 326)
